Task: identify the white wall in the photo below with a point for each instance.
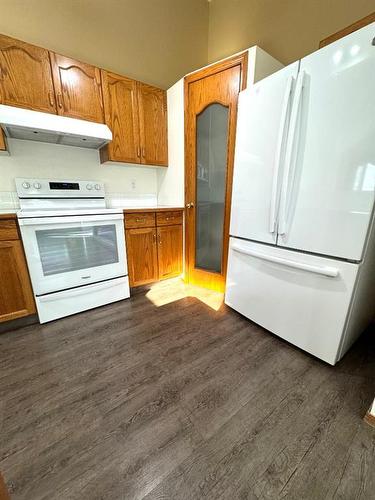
(37, 159)
(171, 181)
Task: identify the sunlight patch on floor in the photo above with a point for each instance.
(165, 292)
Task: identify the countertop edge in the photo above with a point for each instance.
(153, 209)
(10, 215)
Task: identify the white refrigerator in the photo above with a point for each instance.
(302, 247)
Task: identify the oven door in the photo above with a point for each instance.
(70, 251)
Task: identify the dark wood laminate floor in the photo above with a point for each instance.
(172, 395)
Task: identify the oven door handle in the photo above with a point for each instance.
(38, 221)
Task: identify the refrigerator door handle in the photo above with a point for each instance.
(330, 272)
(287, 179)
(278, 155)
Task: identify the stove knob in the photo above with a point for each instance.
(26, 185)
(89, 187)
(97, 187)
(37, 185)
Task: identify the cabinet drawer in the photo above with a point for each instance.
(8, 230)
(140, 219)
(168, 218)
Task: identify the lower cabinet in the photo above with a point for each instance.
(142, 255)
(16, 296)
(153, 252)
(169, 251)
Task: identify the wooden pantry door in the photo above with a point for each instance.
(211, 97)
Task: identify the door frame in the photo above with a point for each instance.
(216, 281)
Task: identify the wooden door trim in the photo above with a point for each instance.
(237, 60)
(3, 144)
(361, 23)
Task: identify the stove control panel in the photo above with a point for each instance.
(58, 188)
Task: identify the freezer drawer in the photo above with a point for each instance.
(302, 298)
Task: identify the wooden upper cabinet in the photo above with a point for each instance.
(152, 103)
(25, 76)
(78, 89)
(121, 116)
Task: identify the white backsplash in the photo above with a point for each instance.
(8, 201)
(126, 185)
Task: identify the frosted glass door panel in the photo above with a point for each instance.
(74, 248)
(212, 142)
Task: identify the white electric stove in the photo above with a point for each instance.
(74, 245)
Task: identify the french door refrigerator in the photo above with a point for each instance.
(302, 247)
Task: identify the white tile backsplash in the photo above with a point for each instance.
(40, 160)
(120, 200)
(9, 201)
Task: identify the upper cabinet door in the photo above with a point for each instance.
(152, 104)
(25, 76)
(121, 116)
(78, 89)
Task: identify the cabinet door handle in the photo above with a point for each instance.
(159, 239)
(59, 100)
(51, 99)
(138, 151)
(154, 235)
(143, 152)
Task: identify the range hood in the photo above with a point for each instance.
(19, 123)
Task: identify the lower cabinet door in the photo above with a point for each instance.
(16, 296)
(142, 255)
(170, 251)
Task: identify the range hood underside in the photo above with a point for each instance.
(14, 132)
(19, 123)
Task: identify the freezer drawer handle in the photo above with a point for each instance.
(331, 272)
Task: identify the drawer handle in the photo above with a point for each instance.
(140, 220)
(169, 218)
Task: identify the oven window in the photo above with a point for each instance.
(74, 248)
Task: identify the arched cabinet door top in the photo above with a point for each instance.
(78, 89)
(205, 106)
(25, 76)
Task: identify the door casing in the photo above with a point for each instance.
(200, 277)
